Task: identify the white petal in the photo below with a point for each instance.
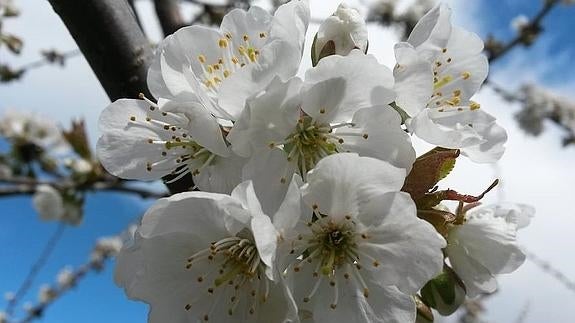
(198, 213)
(203, 127)
(377, 133)
(431, 33)
(124, 149)
(179, 52)
(268, 117)
(265, 237)
(251, 23)
(291, 208)
(384, 304)
(339, 182)
(323, 100)
(476, 278)
(154, 79)
(492, 149)
(48, 203)
(475, 68)
(368, 83)
(430, 130)
(407, 249)
(153, 270)
(270, 172)
(278, 58)
(264, 232)
(290, 23)
(222, 175)
(413, 79)
(491, 241)
(516, 213)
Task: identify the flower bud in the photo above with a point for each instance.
(339, 34)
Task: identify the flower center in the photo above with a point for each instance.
(333, 252)
(238, 270)
(310, 142)
(175, 144)
(234, 54)
(447, 95)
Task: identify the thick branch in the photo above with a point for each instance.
(168, 12)
(108, 35)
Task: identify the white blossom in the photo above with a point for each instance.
(65, 278)
(364, 252)
(110, 244)
(485, 245)
(3, 317)
(23, 127)
(51, 206)
(206, 257)
(28, 307)
(5, 171)
(9, 296)
(7, 8)
(46, 294)
(340, 107)
(541, 104)
(519, 22)
(147, 141)
(79, 165)
(222, 67)
(446, 63)
(340, 33)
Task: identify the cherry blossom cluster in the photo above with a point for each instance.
(540, 104)
(309, 202)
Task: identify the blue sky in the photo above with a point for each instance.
(534, 170)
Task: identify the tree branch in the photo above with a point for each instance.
(168, 12)
(108, 35)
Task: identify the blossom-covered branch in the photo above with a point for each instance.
(104, 249)
(537, 105)
(527, 33)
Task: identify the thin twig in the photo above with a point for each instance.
(46, 61)
(35, 269)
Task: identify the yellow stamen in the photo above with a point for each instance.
(474, 105)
